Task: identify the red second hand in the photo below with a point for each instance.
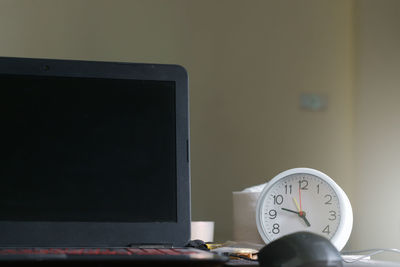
(301, 210)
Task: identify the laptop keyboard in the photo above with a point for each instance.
(95, 251)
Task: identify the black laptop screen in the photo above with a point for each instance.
(87, 150)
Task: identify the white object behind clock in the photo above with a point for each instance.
(325, 208)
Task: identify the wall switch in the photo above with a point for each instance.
(313, 102)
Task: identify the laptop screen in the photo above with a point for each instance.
(87, 149)
(93, 153)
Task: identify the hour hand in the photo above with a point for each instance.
(303, 216)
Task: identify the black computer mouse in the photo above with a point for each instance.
(300, 249)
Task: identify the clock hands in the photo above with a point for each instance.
(300, 212)
(291, 211)
(297, 206)
(301, 215)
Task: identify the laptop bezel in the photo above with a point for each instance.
(110, 234)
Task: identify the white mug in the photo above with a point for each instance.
(203, 230)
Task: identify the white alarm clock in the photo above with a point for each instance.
(304, 199)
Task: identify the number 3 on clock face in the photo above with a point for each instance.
(304, 199)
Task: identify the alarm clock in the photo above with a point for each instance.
(304, 199)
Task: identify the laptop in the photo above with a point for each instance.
(94, 162)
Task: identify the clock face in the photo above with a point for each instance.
(298, 202)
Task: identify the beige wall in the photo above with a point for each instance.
(248, 62)
(246, 121)
(377, 133)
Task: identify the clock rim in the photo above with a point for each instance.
(342, 234)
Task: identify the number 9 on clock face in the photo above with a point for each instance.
(304, 199)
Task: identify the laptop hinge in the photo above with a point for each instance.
(150, 245)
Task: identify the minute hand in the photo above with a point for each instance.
(301, 215)
(298, 213)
